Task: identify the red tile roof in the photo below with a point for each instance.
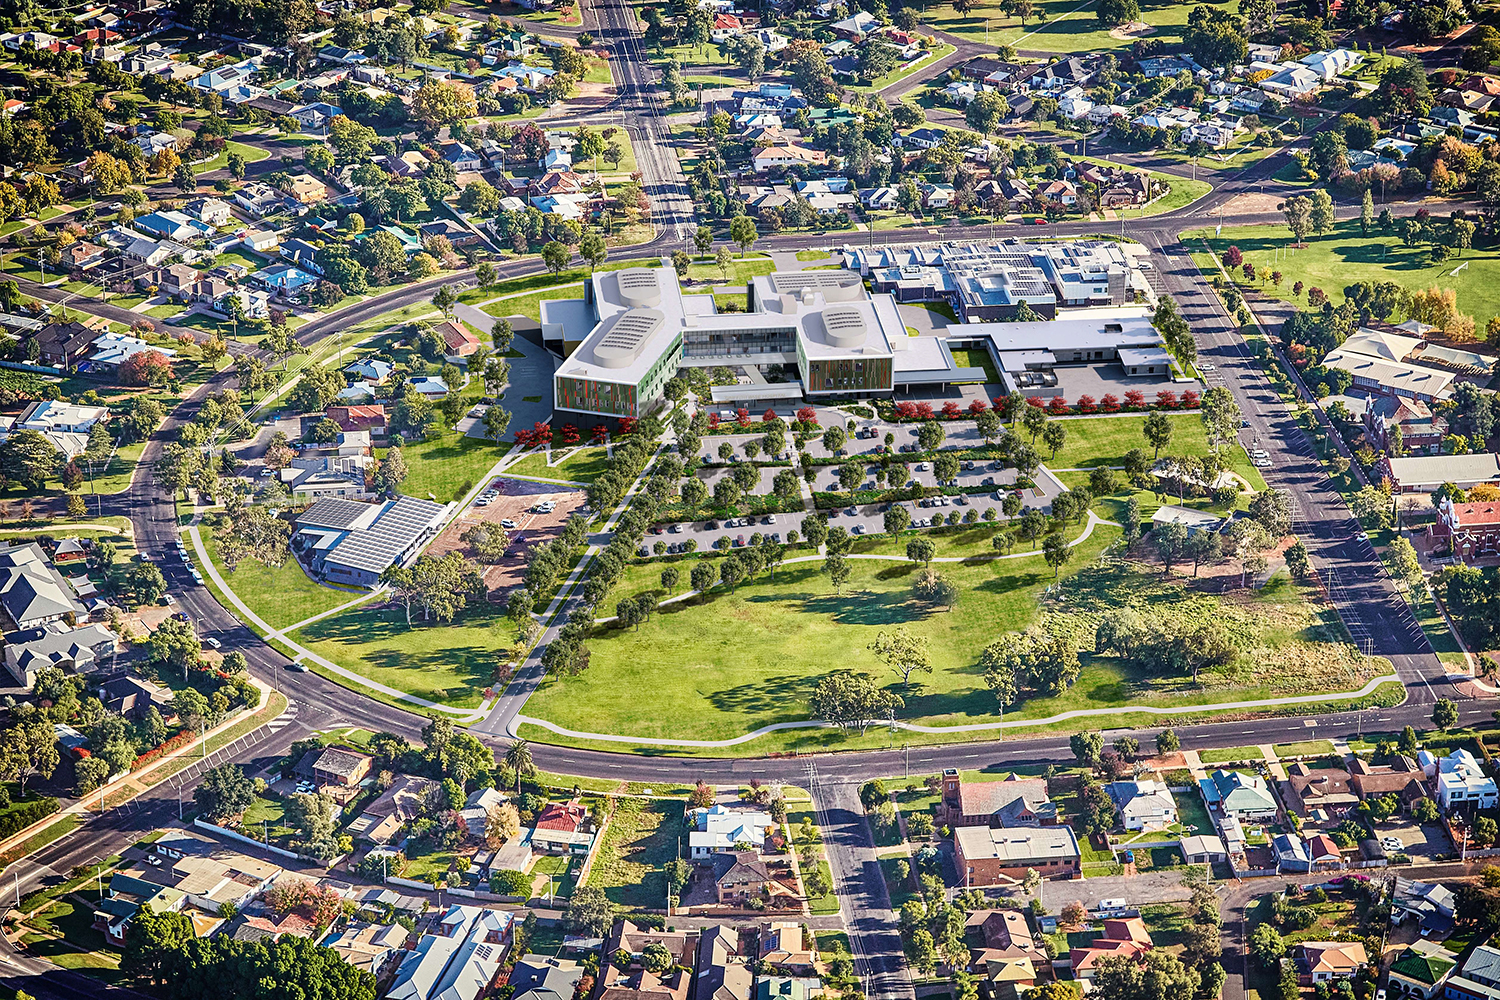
(560, 817)
(1467, 515)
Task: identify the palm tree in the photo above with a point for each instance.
(518, 759)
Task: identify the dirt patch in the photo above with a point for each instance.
(517, 502)
(1135, 29)
(589, 96)
(1252, 203)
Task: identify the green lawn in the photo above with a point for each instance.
(283, 595)
(1065, 26)
(795, 818)
(581, 467)
(1347, 256)
(967, 358)
(450, 662)
(731, 664)
(1227, 755)
(1105, 440)
(1306, 748)
(640, 839)
(447, 465)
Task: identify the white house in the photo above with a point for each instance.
(719, 829)
(1460, 780)
(770, 40)
(65, 425)
(1143, 805)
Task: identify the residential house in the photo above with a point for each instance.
(725, 27)
(770, 158)
(785, 948)
(1460, 780)
(285, 280)
(770, 40)
(408, 797)
(1122, 938)
(369, 947)
(996, 856)
(856, 26)
(371, 370)
(936, 196)
(633, 981)
(308, 190)
(430, 386)
(1326, 961)
(1143, 805)
(462, 156)
(32, 591)
(1402, 777)
(1292, 82)
(315, 117)
(1001, 935)
(210, 211)
(1431, 904)
(1242, 796)
(114, 349)
(65, 425)
(369, 417)
(1420, 972)
(1296, 854)
(1075, 71)
(739, 877)
(337, 767)
(132, 696)
(174, 280)
(1478, 979)
(457, 338)
(922, 138)
(722, 973)
(458, 959)
(259, 199)
(259, 240)
(562, 828)
(75, 649)
(82, 255)
(1325, 791)
(303, 254)
(724, 828)
(788, 988)
(1013, 802)
(457, 234)
(169, 225)
(544, 977)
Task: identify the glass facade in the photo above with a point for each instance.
(849, 375)
(591, 396)
(700, 343)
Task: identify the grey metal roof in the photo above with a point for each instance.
(372, 548)
(332, 512)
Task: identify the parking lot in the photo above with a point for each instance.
(522, 504)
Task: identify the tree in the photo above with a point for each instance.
(921, 549)
(1221, 416)
(1320, 212)
(742, 232)
(1112, 13)
(1366, 213)
(175, 644)
(556, 256)
(1056, 552)
(27, 457)
(1154, 975)
(852, 700)
(1297, 562)
(29, 747)
(1158, 432)
(932, 587)
(903, 652)
(441, 102)
(1266, 945)
(1444, 714)
(590, 912)
(1087, 747)
(1297, 210)
(1167, 742)
(593, 250)
(1054, 436)
(224, 792)
(518, 760)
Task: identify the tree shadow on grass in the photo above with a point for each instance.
(771, 694)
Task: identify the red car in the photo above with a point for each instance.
(1039, 222)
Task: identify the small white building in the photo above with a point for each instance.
(1143, 805)
(1460, 780)
(720, 829)
(65, 425)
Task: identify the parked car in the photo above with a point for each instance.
(506, 522)
(212, 643)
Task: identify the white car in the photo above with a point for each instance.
(1392, 844)
(506, 522)
(212, 643)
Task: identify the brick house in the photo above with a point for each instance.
(363, 417)
(992, 856)
(740, 877)
(1472, 530)
(1010, 803)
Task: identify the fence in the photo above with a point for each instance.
(204, 824)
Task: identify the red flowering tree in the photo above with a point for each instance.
(569, 434)
(951, 411)
(146, 368)
(627, 426)
(600, 434)
(808, 415)
(541, 434)
(1316, 297)
(1036, 401)
(742, 417)
(1298, 356)
(768, 417)
(1189, 400)
(906, 410)
(924, 411)
(1233, 258)
(1086, 404)
(1135, 399)
(713, 421)
(523, 438)
(978, 406)
(1248, 269)
(1057, 406)
(1110, 403)
(1166, 399)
